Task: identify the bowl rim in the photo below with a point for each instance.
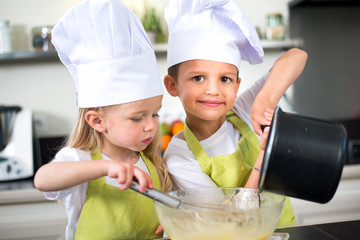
(279, 201)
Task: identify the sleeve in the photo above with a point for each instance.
(69, 154)
(243, 103)
(183, 168)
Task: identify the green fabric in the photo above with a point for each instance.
(109, 213)
(233, 170)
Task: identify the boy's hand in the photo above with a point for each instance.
(261, 116)
(124, 173)
(264, 136)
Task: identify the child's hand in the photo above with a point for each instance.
(261, 116)
(124, 173)
(264, 136)
(159, 230)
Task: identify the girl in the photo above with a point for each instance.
(115, 139)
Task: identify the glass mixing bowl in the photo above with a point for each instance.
(221, 213)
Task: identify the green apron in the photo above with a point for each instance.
(233, 170)
(109, 213)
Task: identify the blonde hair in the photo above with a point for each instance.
(86, 138)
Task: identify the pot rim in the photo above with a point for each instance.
(269, 146)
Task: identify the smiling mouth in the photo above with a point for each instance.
(211, 103)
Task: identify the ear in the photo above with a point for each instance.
(171, 85)
(95, 120)
(238, 84)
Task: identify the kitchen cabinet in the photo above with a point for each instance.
(344, 206)
(39, 56)
(26, 214)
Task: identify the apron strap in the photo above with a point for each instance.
(152, 170)
(197, 149)
(96, 154)
(237, 122)
(195, 145)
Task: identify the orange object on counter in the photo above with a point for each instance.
(177, 127)
(169, 130)
(165, 140)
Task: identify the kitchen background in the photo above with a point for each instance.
(327, 29)
(47, 88)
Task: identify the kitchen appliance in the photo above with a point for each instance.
(19, 148)
(304, 157)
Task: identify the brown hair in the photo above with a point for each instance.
(173, 71)
(86, 138)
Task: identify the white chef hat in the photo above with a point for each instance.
(108, 54)
(214, 30)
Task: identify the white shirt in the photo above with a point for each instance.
(74, 197)
(181, 163)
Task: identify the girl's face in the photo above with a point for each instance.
(131, 125)
(207, 89)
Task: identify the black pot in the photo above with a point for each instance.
(304, 157)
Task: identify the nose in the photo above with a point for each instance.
(212, 88)
(151, 124)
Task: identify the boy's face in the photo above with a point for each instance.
(207, 89)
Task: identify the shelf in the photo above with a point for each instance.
(281, 44)
(161, 48)
(18, 57)
(323, 3)
(266, 44)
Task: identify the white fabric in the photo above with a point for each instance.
(108, 54)
(74, 197)
(214, 30)
(182, 165)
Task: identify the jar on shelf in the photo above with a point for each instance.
(275, 28)
(41, 38)
(5, 36)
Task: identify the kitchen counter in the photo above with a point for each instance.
(26, 214)
(331, 231)
(349, 230)
(20, 191)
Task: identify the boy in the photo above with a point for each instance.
(207, 42)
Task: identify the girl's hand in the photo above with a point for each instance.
(124, 173)
(159, 230)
